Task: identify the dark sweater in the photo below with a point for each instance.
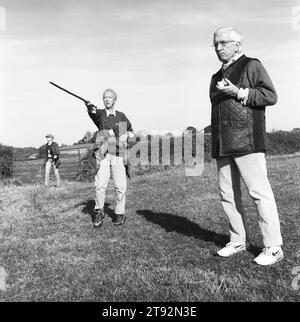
(119, 124)
(116, 123)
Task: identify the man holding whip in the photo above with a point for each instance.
(109, 152)
(114, 129)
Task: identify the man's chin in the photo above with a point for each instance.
(222, 59)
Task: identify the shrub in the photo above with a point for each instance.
(277, 142)
(6, 161)
(283, 142)
(86, 172)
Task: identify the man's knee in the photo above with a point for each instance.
(257, 193)
(100, 187)
(121, 189)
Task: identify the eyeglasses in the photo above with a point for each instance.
(223, 43)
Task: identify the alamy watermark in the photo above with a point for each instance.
(296, 20)
(2, 19)
(159, 149)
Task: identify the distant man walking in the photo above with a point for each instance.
(51, 159)
(114, 129)
(239, 93)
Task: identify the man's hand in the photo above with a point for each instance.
(225, 86)
(90, 107)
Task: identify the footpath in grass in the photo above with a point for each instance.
(164, 252)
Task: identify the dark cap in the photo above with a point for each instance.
(50, 136)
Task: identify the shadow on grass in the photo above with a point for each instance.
(183, 226)
(89, 206)
(186, 227)
(254, 250)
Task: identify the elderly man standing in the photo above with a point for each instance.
(51, 150)
(239, 93)
(114, 129)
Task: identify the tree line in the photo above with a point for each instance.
(278, 143)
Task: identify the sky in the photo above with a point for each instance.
(156, 54)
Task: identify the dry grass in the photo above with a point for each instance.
(164, 252)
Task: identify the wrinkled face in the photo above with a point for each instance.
(109, 99)
(225, 47)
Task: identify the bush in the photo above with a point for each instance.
(6, 161)
(86, 172)
(283, 142)
(277, 142)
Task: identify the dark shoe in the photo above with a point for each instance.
(99, 217)
(120, 220)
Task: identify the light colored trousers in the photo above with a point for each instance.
(102, 180)
(253, 170)
(48, 166)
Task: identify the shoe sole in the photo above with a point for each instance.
(278, 260)
(231, 254)
(228, 255)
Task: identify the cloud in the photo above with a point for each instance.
(164, 16)
(262, 12)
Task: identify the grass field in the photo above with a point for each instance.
(164, 252)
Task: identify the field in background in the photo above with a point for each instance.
(164, 252)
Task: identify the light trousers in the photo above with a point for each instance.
(48, 166)
(119, 177)
(253, 170)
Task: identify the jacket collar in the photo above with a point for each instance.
(109, 112)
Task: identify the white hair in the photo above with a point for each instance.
(109, 90)
(233, 34)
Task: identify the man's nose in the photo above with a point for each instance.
(218, 47)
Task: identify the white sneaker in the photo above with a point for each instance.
(269, 256)
(231, 248)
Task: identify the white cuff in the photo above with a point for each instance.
(130, 134)
(243, 95)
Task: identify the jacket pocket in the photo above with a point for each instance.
(235, 137)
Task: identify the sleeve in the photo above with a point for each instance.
(96, 118)
(261, 91)
(128, 124)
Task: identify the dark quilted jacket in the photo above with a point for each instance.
(238, 129)
(54, 150)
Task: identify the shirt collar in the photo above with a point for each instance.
(110, 112)
(235, 58)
